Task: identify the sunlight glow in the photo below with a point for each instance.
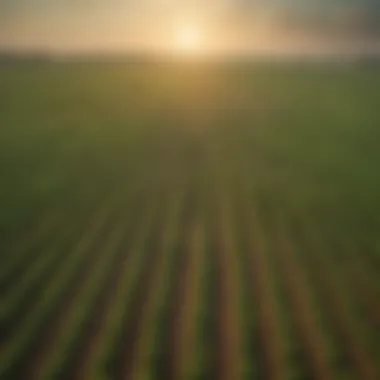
(189, 39)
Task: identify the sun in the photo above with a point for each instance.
(189, 39)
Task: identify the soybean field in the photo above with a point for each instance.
(189, 221)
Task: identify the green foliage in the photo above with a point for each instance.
(293, 139)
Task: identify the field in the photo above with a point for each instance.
(189, 221)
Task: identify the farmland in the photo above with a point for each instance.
(189, 221)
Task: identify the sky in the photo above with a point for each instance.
(64, 26)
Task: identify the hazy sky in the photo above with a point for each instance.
(248, 25)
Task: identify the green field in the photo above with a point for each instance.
(189, 221)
